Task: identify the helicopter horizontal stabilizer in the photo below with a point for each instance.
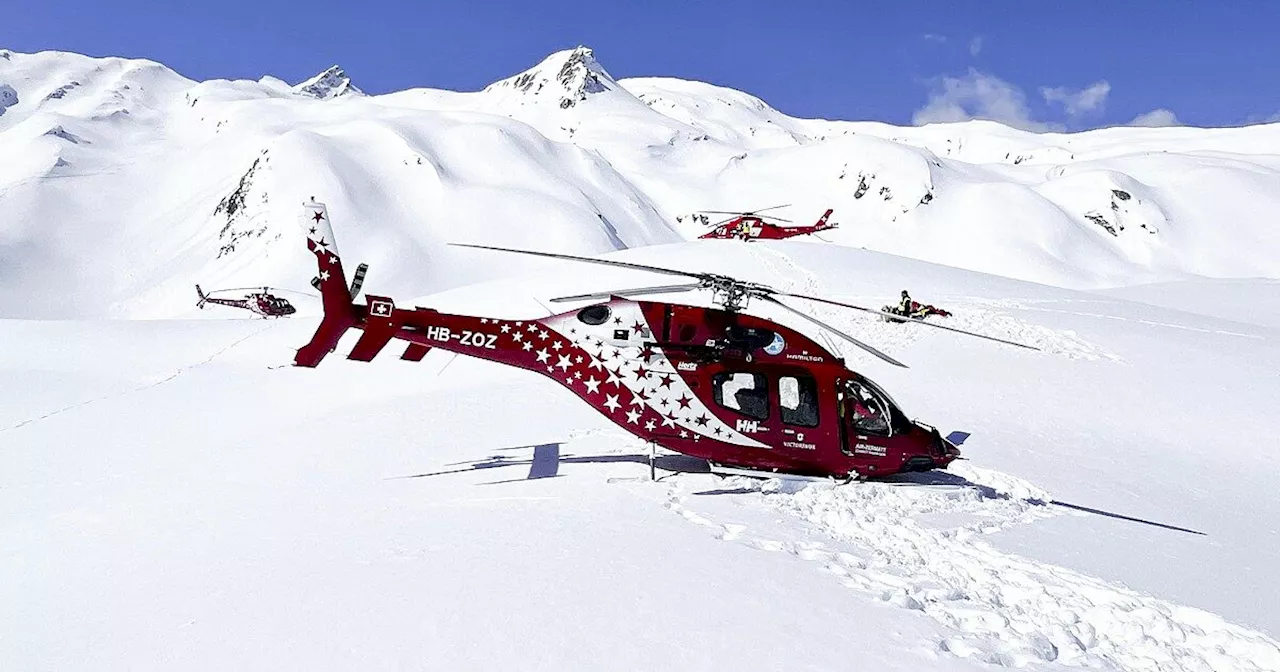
(380, 327)
(415, 352)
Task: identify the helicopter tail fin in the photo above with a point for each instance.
(339, 312)
(822, 224)
(203, 298)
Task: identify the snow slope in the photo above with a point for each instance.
(126, 183)
(173, 494)
(179, 495)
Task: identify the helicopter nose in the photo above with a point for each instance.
(919, 463)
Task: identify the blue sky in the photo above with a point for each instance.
(1030, 63)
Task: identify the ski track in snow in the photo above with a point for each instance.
(998, 608)
(1028, 305)
(146, 386)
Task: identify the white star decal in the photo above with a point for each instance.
(668, 422)
(532, 327)
(557, 345)
(517, 336)
(519, 324)
(324, 275)
(543, 355)
(612, 402)
(564, 363)
(593, 385)
(649, 426)
(636, 401)
(333, 259)
(542, 335)
(484, 320)
(633, 417)
(684, 434)
(506, 328)
(528, 346)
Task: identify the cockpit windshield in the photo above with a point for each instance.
(881, 391)
(871, 410)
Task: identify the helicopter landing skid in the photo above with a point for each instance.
(723, 470)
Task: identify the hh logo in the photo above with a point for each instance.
(381, 308)
(748, 426)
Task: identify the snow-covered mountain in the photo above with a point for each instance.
(174, 494)
(126, 183)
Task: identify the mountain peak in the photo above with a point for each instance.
(331, 83)
(568, 76)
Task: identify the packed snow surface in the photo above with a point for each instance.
(173, 494)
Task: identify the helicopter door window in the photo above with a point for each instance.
(744, 393)
(798, 400)
(868, 411)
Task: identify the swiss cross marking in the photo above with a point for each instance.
(381, 308)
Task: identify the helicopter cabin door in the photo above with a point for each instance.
(777, 406)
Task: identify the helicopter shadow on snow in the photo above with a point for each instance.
(546, 461)
(942, 478)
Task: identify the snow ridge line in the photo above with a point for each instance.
(994, 607)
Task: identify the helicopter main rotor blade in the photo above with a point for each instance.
(589, 260)
(662, 289)
(743, 213)
(900, 318)
(832, 329)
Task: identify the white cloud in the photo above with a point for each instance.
(931, 37)
(975, 45)
(977, 96)
(1076, 103)
(1157, 117)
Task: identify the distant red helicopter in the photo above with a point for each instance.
(751, 225)
(745, 394)
(262, 303)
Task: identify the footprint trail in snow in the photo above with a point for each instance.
(998, 608)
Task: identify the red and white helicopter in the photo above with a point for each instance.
(262, 303)
(746, 394)
(752, 225)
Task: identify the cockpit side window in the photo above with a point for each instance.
(745, 393)
(798, 400)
